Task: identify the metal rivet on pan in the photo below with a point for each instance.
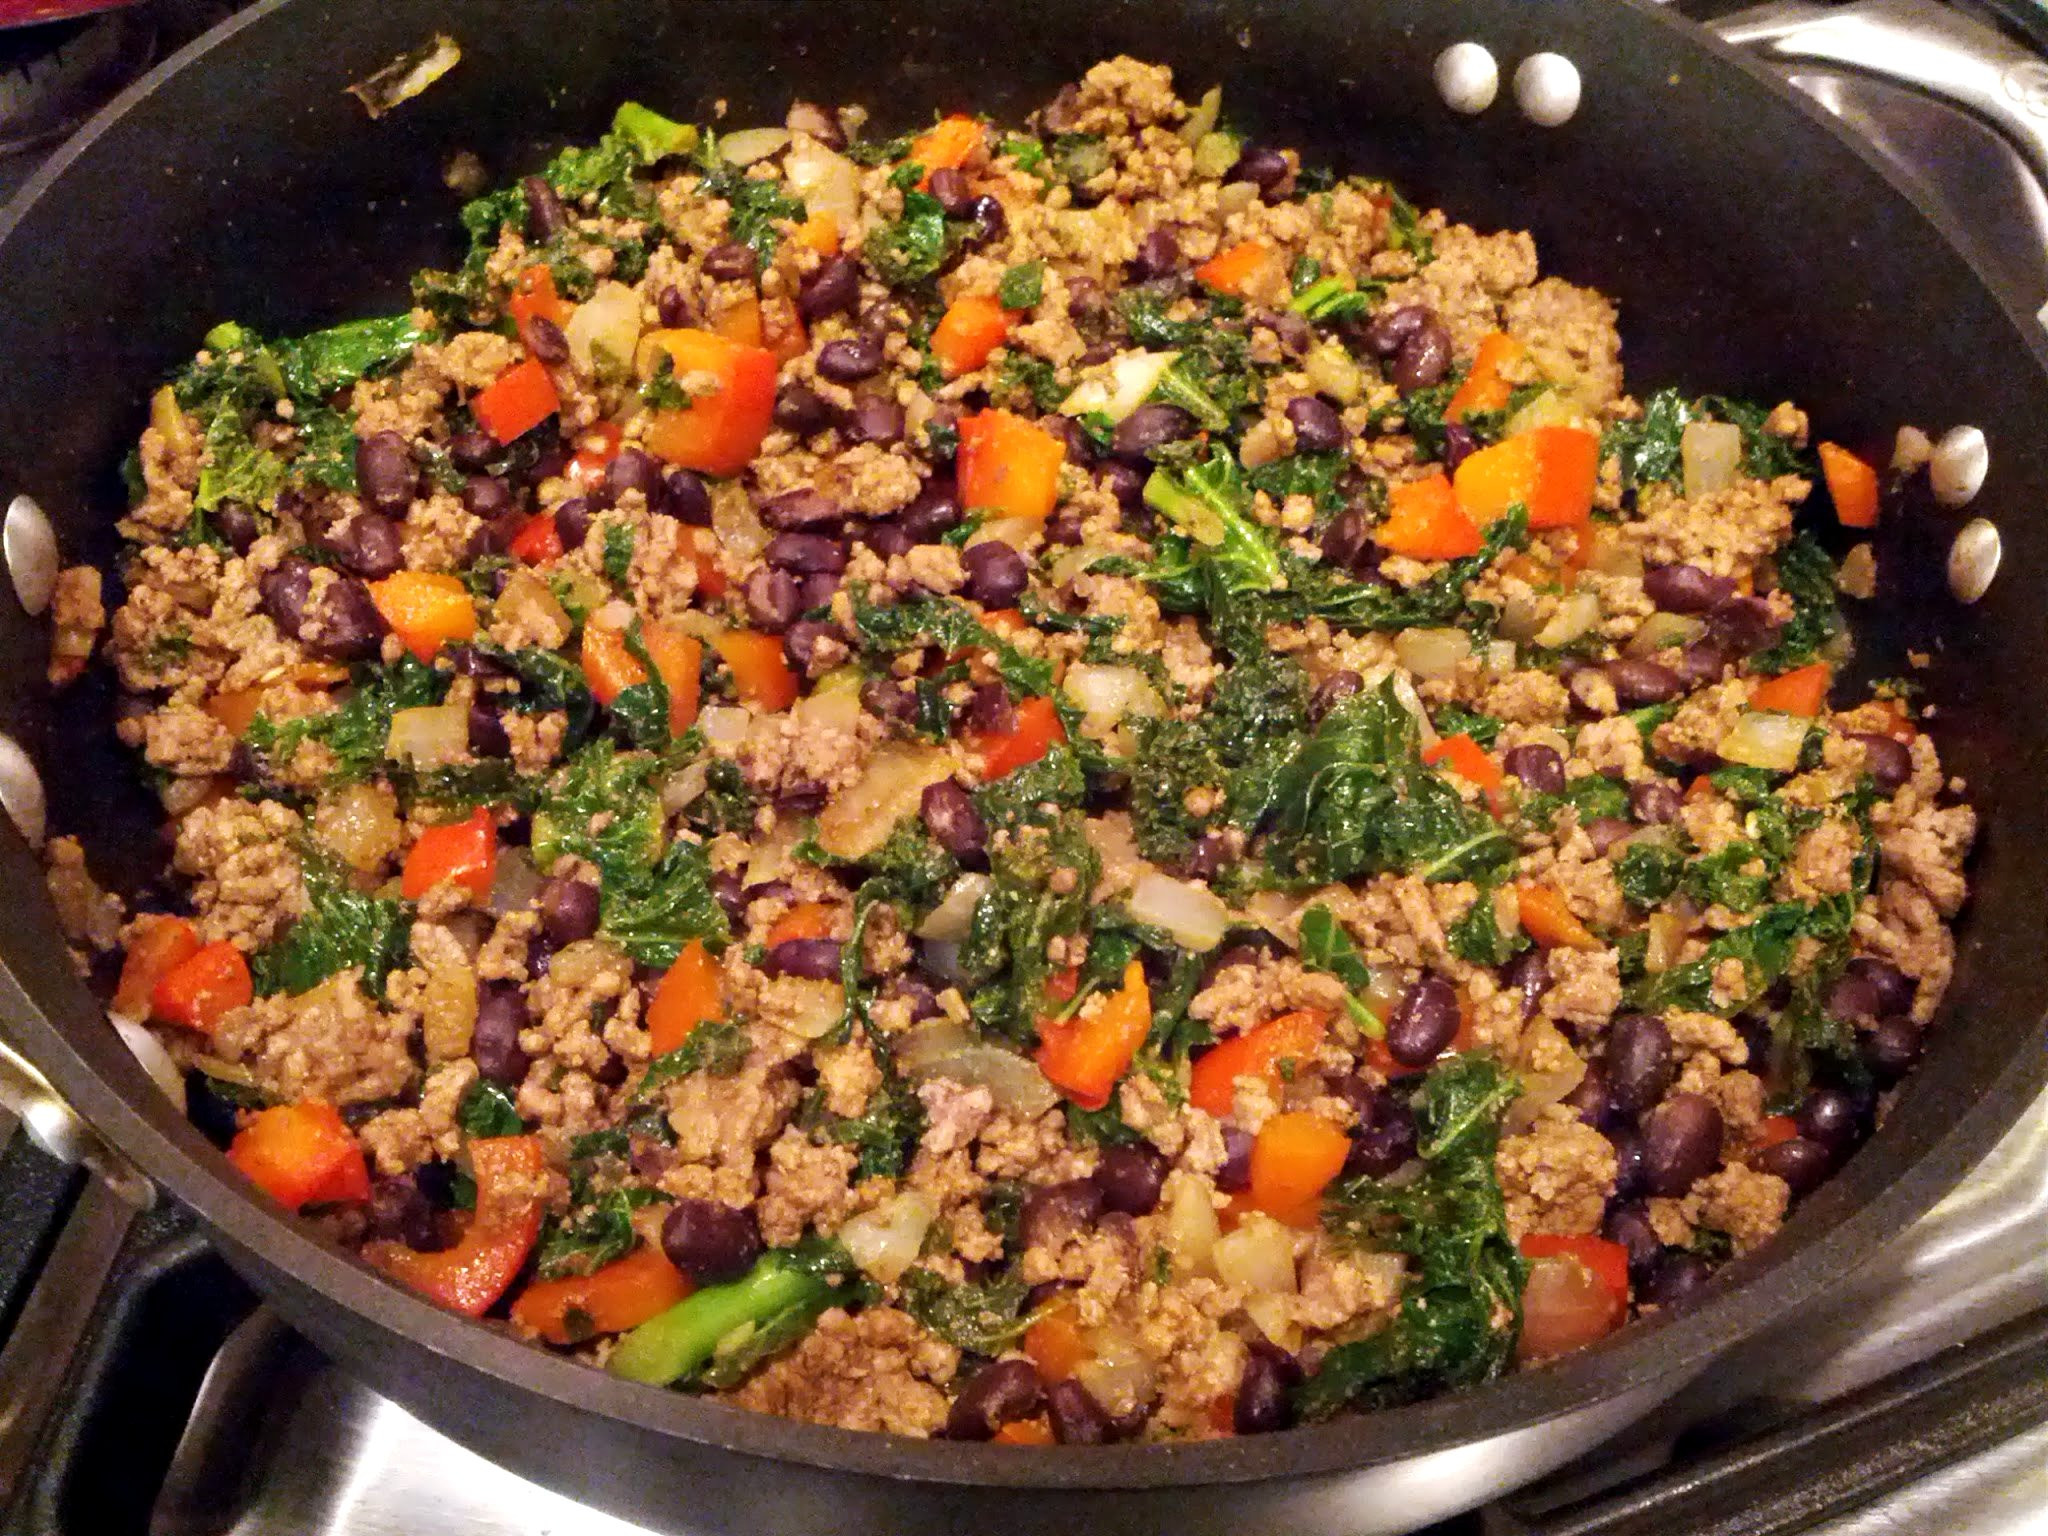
(1956, 471)
(31, 550)
(1547, 89)
(1467, 78)
(1973, 559)
(21, 791)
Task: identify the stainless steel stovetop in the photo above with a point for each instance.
(266, 1438)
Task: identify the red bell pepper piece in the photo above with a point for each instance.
(1035, 732)
(301, 1154)
(1008, 467)
(1802, 691)
(521, 398)
(1484, 388)
(1084, 1057)
(473, 1274)
(1258, 1052)
(1852, 486)
(716, 433)
(538, 541)
(160, 943)
(200, 989)
(973, 326)
(463, 851)
(1425, 522)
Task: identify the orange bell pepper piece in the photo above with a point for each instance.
(538, 541)
(473, 1274)
(947, 144)
(759, 668)
(533, 293)
(973, 326)
(425, 609)
(1802, 691)
(1025, 1432)
(740, 321)
(703, 547)
(1551, 471)
(160, 944)
(1258, 1052)
(1056, 1345)
(1035, 732)
(1008, 467)
(610, 667)
(1773, 1129)
(1425, 522)
(621, 1295)
(1483, 388)
(520, 399)
(716, 433)
(1605, 1261)
(688, 994)
(236, 710)
(805, 920)
(1085, 1056)
(1294, 1157)
(1852, 486)
(1247, 270)
(1549, 921)
(301, 1154)
(1468, 760)
(819, 232)
(197, 991)
(463, 851)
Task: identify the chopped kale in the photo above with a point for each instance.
(1648, 872)
(1026, 380)
(717, 1046)
(1174, 760)
(883, 1135)
(1455, 720)
(1314, 475)
(487, 1110)
(652, 918)
(1477, 937)
(1326, 947)
(593, 1236)
(662, 391)
(355, 733)
(983, 1319)
(1102, 1127)
(1022, 796)
(890, 629)
(756, 202)
(1326, 301)
(341, 928)
(1024, 909)
(1807, 576)
(1727, 876)
(548, 681)
(1648, 446)
(618, 552)
(912, 248)
(1022, 286)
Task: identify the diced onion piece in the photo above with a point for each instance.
(1540, 1090)
(1765, 739)
(1117, 1373)
(607, 322)
(1190, 914)
(1574, 616)
(1410, 700)
(827, 182)
(514, 882)
(1663, 631)
(1712, 454)
(1202, 121)
(448, 1011)
(1275, 1317)
(1552, 408)
(168, 417)
(859, 819)
(748, 145)
(1216, 153)
(1191, 1225)
(1279, 914)
(816, 1007)
(828, 710)
(885, 1241)
(1017, 532)
(771, 855)
(1258, 1256)
(1118, 387)
(1520, 618)
(431, 734)
(947, 1049)
(735, 522)
(1107, 694)
(950, 919)
(725, 723)
(359, 822)
(1332, 372)
(1261, 445)
(1666, 940)
(1500, 657)
(1074, 562)
(1614, 555)
(151, 1056)
(1432, 654)
(943, 960)
(528, 604)
(682, 787)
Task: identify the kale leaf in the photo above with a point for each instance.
(1326, 947)
(1024, 909)
(1477, 937)
(1648, 872)
(652, 918)
(889, 629)
(593, 1236)
(913, 247)
(1807, 576)
(1022, 286)
(341, 927)
(883, 1134)
(487, 1110)
(983, 1319)
(357, 732)
(717, 1046)
(1648, 446)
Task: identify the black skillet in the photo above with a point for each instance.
(1754, 250)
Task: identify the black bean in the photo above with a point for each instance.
(400, 1213)
(771, 599)
(1653, 802)
(487, 736)
(1264, 168)
(989, 711)
(1236, 1173)
(1459, 445)
(1348, 542)
(1698, 664)
(1264, 1401)
(672, 307)
(833, 289)
(494, 1040)
(810, 644)
(1528, 973)
(1605, 831)
(1385, 1136)
(611, 1071)
(887, 699)
(951, 817)
(1537, 766)
(1681, 1143)
(732, 262)
(1080, 448)
(572, 521)
(1895, 989)
(1129, 1178)
(1205, 857)
(1053, 1213)
(1332, 691)
(1590, 1101)
(634, 470)
(1317, 427)
(886, 539)
(486, 497)
(709, 1240)
(1158, 254)
(1424, 358)
(568, 909)
(816, 959)
(989, 220)
(802, 410)
(996, 1395)
(996, 574)
(473, 451)
(1077, 1419)
(350, 628)
(1125, 483)
(726, 888)
(1423, 1023)
(1888, 760)
(948, 185)
(1288, 328)
(1629, 1225)
(1743, 625)
(236, 522)
(1391, 329)
(368, 546)
(1676, 1278)
(1686, 588)
(1854, 997)
(544, 339)
(803, 508)
(1802, 1164)
(545, 216)
(805, 553)
(850, 359)
(933, 511)
(1638, 682)
(1638, 1061)
(493, 538)
(876, 419)
(1829, 1116)
(385, 473)
(1631, 1172)
(1148, 427)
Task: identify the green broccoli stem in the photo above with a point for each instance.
(681, 1341)
(652, 136)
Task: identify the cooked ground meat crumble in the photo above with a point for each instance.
(1057, 785)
